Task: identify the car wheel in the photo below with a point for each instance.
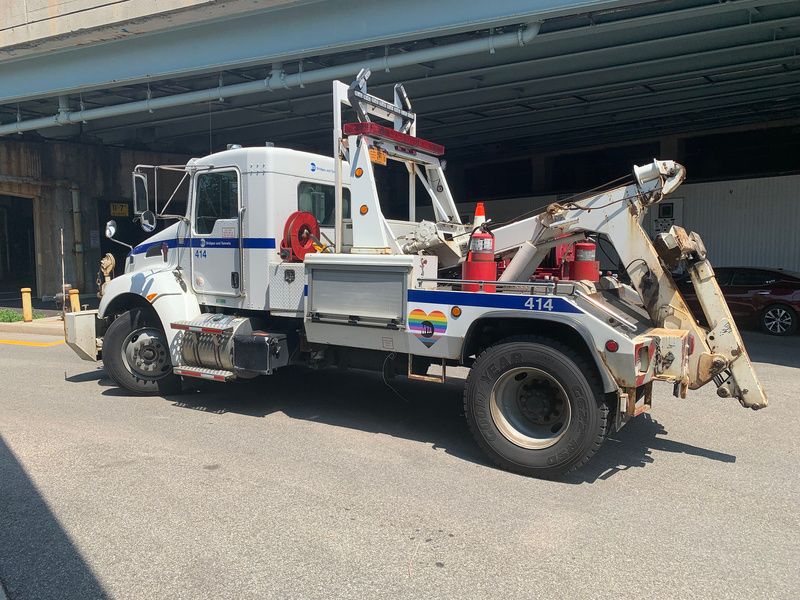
(779, 319)
(535, 406)
(136, 355)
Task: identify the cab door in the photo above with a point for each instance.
(216, 233)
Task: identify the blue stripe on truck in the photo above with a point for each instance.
(490, 300)
(263, 243)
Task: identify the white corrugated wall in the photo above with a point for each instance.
(744, 223)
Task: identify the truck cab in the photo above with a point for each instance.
(239, 202)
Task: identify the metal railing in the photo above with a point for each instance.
(537, 287)
(549, 285)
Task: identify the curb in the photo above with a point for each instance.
(52, 326)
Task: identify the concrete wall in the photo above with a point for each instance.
(44, 173)
(747, 222)
(34, 26)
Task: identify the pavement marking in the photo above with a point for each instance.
(34, 344)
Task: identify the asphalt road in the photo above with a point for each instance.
(328, 485)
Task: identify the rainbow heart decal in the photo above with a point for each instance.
(428, 327)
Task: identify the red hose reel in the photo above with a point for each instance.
(300, 236)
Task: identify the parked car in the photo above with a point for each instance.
(767, 298)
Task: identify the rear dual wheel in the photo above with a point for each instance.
(535, 406)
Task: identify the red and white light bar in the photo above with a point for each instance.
(387, 133)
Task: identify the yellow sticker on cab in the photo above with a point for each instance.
(377, 155)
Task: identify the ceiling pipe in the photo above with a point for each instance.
(278, 79)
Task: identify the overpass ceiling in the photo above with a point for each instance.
(604, 73)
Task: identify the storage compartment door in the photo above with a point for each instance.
(358, 296)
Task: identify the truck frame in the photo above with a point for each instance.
(286, 258)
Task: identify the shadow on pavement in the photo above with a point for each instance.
(97, 375)
(37, 557)
(632, 447)
(424, 412)
(429, 413)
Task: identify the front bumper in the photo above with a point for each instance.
(83, 333)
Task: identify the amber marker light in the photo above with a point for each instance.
(359, 172)
(363, 209)
(455, 312)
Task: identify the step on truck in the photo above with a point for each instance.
(286, 258)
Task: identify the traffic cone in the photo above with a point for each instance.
(480, 215)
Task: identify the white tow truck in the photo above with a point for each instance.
(286, 258)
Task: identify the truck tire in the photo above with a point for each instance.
(136, 355)
(535, 406)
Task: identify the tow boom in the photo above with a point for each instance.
(719, 352)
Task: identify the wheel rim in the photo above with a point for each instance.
(530, 408)
(777, 320)
(145, 353)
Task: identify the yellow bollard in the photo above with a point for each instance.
(27, 309)
(74, 300)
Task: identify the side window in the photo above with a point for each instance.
(217, 198)
(723, 276)
(320, 201)
(753, 278)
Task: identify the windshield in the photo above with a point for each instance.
(790, 274)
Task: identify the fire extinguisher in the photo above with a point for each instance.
(584, 266)
(480, 264)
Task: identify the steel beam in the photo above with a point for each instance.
(479, 98)
(279, 79)
(617, 112)
(485, 96)
(304, 30)
(285, 128)
(697, 14)
(589, 122)
(675, 118)
(600, 67)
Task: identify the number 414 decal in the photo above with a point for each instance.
(200, 254)
(539, 303)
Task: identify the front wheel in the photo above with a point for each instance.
(778, 319)
(136, 355)
(535, 406)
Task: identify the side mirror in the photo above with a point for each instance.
(111, 231)
(141, 202)
(148, 221)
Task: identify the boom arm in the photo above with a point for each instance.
(719, 353)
